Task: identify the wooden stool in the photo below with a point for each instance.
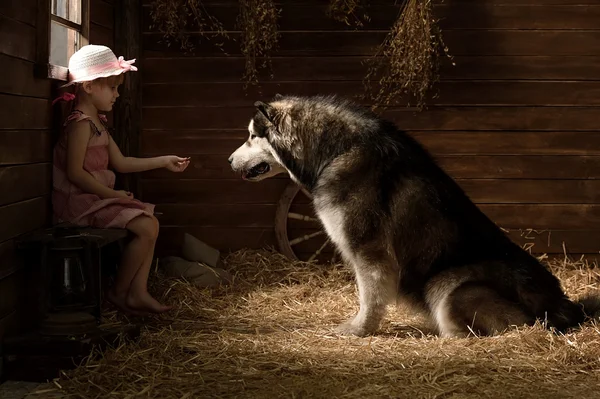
(65, 267)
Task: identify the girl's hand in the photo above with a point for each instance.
(175, 163)
(123, 194)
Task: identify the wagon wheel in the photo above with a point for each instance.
(299, 234)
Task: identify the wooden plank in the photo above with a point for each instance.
(305, 17)
(460, 42)
(12, 289)
(24, 112)
(215, 166)
(170, 239)
(197, 143)
(18, 39)
(521, 67)
(287, 3)
(497, 118)
(450, 118)
(42, 42)
(497, 93)
(18, 78)
(543, 216)
(101, 35)
(128, 111)
(537, 2)
(522, 167)
(510, 143)
(481, 191)
(507, 216)
(18, 183)
(23, 217)
(245, 215)
(193, 191)
(487, 15)
(532, 191)
(324, 68)
(21, 10)
(10, 260)
(102, 14)
(25, 315)
(25, 146)
(9, 324)
(217, 142)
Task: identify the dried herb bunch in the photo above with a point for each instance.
(173, 19)
(257, 21)
(406, 62)
(350, 12)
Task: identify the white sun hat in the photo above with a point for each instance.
(93, 62)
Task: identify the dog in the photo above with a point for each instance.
(406, 228)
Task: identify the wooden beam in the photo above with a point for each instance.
(128, 110)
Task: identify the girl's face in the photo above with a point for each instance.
(103, 93)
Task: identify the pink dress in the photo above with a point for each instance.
(72, 205)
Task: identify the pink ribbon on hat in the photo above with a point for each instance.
(64, 97)
(126, 65)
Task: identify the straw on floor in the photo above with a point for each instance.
(270, 335)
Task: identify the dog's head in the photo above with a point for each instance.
(255, 159)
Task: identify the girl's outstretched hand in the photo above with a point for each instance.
(175, 163)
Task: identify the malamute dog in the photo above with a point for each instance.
(406, 227)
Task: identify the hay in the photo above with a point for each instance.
(270, 335)
(258, 23)
(406, 63)
(349, 12)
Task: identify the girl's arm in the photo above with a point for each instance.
(78, 137)
(123, 164)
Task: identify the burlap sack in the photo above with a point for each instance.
(195, 250)
(197, 273)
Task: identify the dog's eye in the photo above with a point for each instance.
(252, 136)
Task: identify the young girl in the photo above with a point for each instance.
(83, 186)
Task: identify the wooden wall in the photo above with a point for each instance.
(27, 134)
(515, 122)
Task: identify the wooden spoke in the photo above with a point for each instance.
(308, 238)
(305, 218)
(313, 256)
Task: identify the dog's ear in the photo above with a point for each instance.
(265, 109)
(277, 97)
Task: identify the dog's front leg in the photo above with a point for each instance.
(377, 287)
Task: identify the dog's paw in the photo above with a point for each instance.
(351, 328)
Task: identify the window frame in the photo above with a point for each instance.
(44, 68)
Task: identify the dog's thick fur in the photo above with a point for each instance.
(406, 228)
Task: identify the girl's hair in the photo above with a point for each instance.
(71, 97)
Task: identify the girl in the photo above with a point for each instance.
(83, 186)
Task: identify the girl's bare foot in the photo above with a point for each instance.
(144, 301)
(120, 302)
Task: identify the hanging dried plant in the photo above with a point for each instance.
(172, 18)
(406, 63)
(257, 21)
(350, 12)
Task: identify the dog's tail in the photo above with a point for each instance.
(591, 305)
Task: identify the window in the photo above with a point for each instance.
(64, 29)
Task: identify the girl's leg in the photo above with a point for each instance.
(145, 231)
(138, 296)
